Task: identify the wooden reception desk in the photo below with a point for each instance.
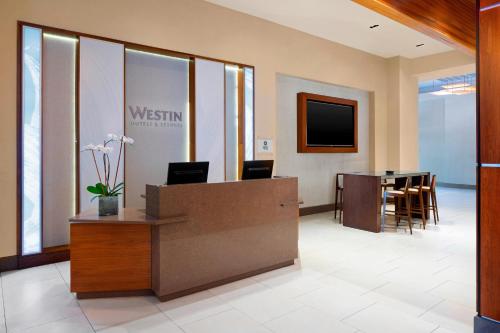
(190, 237)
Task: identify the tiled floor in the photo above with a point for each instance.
(345, 281)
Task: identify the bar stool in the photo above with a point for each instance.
(431, 190)
(339, 191)
(385, 185)
(417, 191)
(398, 212)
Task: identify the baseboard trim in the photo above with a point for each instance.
(49, 255)
(8, 263)
(486, 325)
(316, 209)
(107, 294)
(461, 186)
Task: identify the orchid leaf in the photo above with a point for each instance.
(102, 188)
(93, 190)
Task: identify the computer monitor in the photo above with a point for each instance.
(187, 172)
(257, 169)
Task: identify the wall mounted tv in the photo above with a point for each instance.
(326, 124)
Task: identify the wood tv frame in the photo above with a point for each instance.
(302, 146)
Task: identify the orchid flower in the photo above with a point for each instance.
(114, 137)
(105, 189)
(89, 147)
(103, 149)
(126, 139)
(122, 138)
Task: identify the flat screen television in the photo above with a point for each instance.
(326, 124)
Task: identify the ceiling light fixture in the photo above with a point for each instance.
(456, 85)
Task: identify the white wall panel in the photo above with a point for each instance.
(447, 133)
(59, 68)
(210, 116)
(101, 105)
(157, 118)
(231, 123)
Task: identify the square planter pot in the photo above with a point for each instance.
(108, 206)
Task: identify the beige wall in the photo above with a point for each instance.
(402, 118)
(196, 27)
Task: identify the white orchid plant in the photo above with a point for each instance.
(104, 188)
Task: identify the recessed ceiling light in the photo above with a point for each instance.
(374, 26)
(419, 45)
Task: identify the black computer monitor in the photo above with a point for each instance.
(187, 172)
(257, 169)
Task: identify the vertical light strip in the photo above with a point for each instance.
(231, 97)
(236, 120)
(249, 114)
(31, 141)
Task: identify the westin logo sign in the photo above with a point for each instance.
(145, 117)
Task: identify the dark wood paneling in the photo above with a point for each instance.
(302, 146)
(362, 202)
(486, 3)
(106, 257)
(452, 22)
(489, 247)
(489, 83)
(488, 115)
(8, 263)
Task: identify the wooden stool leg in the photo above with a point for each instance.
(433, 207)
(422, 208)
(436, 204)
(408, 213)
(341, 205)
(397, 207)
(335, 205)
(383, 210)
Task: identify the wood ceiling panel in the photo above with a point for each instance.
(452, 22)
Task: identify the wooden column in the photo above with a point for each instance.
(488, 115)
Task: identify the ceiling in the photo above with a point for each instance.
(344, 22)
(450, 85)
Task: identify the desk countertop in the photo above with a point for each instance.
(383, 175)
(125, 216)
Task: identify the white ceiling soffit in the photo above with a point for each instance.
(344, 22)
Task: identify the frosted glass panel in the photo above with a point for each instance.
(31, 144)
(58, 137)
(231, 123)
(101, 106)
(157, 117)
(210, 117)
(249, 114)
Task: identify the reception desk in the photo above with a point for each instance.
(190, 237)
